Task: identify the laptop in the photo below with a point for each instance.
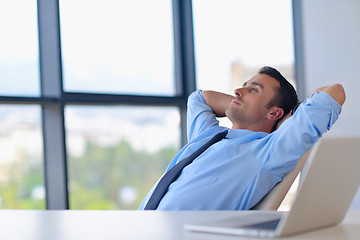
(329, 183)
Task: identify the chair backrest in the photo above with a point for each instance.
(275, 197)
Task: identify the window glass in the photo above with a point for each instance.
(19, 58)
(234, 38)
(21, 158)
(118, 46)
(117, 153)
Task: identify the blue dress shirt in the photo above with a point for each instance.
(237, 172)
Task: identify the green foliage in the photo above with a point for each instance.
(22, 177)
(114, 177)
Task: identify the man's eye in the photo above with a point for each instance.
(254, 89)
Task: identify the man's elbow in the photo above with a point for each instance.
(337, 91)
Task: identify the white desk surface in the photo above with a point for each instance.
(135, 225)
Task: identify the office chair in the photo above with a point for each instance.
(275, 197)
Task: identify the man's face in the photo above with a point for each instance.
(250, 105)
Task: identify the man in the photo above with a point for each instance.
(238, 171)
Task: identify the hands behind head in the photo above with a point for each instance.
(336, 91)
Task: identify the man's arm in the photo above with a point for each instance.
(219, 102)
(336, 91)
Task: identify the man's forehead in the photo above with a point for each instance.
(254, 83)
(263, 81)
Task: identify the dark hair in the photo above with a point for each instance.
(286, 97)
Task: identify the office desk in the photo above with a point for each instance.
(137, 225)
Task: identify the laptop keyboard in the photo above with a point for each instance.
(268, 225)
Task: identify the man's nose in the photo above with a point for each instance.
(238, 92)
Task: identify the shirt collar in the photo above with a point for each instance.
(236, 133)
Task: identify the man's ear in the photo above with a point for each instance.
(275, 114)
(283, 120)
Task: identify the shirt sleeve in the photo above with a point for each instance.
(280, 151)
(200, 116)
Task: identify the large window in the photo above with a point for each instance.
(93, 93)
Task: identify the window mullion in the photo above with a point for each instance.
(52, 113)
(184, 55)
(299, 49)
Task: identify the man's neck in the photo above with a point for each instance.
(255, 128)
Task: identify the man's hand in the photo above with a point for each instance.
(219, 102)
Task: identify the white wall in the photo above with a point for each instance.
(331, 40)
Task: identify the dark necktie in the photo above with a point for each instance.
(174, 172)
